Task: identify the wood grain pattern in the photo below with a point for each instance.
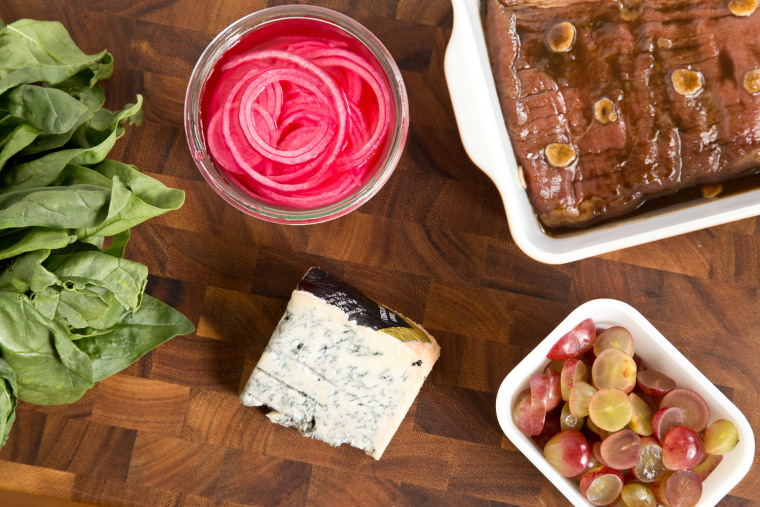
(433, 244)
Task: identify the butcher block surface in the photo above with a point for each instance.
(433, 244)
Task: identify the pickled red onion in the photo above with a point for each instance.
(299, 123)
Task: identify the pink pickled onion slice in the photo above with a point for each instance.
(299, 123)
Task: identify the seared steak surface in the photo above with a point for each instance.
(641, 98)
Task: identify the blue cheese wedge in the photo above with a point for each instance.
(340, 367)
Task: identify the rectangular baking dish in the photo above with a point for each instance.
(484, 136)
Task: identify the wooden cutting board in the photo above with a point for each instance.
(433, 244)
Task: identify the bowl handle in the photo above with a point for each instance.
(470, 84)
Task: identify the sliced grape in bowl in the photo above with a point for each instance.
(716, 474)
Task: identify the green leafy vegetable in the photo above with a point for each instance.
(71, 311)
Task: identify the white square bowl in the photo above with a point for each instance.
(484, 136)
(658, 354)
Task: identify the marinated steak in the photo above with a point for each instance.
(610, 102)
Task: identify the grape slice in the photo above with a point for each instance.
(539, 387)
(621, 450)
(678, 489)
(614, 369)
(696, 413)
(577, 341)
(567, 452)
(610, 409)
(720, 437)
(521, 412)
(641, 419)
(553, 395)
(650, 466)
(572, 371)
(579, 398)
(682, 449)
(602, 485)
(654, 383)
(665, 420)
(704, 469)
(567, 421)
(615, 337)
(635, 494)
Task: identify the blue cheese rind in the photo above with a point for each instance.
(335, 380)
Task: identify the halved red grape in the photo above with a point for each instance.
(654, 383)
(641, 419)
(580, 395)
(665, 420)
(615, 337)
(682, 449)
(614, 369)
(602, 485)
(577, 341)
(539, 388)
(635, 494)
(610, 409)
(567, 452)
(696, 413)
(521, 413)
(649, 467)
(720, 437)
(678, 489)
(621, 450)
(553, 395)
(573, 370)
(709, 463)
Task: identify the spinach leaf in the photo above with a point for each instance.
(92, 98)
(135, 198)
(124, 278)
(49, 368)
(26, 273)
(42, 51)
(33, 238)
(44, 170)
(8, 400)
(47, 109)
(137, 333)
(22, 136)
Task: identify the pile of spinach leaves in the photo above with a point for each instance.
(72, 311)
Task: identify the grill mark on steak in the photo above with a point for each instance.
(660, 141)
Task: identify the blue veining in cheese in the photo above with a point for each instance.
(336, 380)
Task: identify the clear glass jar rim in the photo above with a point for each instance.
(195, 135)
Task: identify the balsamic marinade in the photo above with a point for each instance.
(611, 105)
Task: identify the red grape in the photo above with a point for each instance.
(654, 383)
(521, 413)
(602, 485)
(615, 337)
(650, 466)
(665, 420)
(621, 450)
(539, 388)
(720, 437)
(678, 489)
(696, 413)
(567, 452)
(682, 449)
(553, 395)
(577, 341)
(708, 464)
(573, 371)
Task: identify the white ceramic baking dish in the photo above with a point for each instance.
(657, 353)
(485, 138)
